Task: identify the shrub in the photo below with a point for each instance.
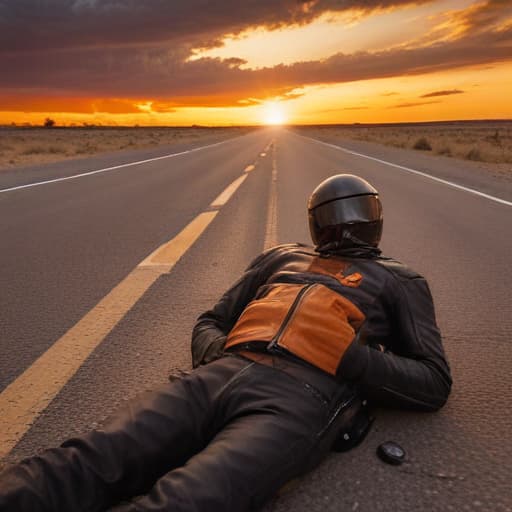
(474, 154)
(54, 150)
(494, 139)
(422, 144)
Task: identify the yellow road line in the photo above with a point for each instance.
(250, 168)
(22, 401)
(26, 398)
(169, 253)
(225, 195)
(271, 227)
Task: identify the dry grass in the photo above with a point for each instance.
(482, 141)
(31, 146)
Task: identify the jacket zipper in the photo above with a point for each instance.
(272, 346)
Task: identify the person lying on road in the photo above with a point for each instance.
(283, 365)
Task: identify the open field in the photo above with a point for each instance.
(481, 141)
(487, 142)
(32, 146)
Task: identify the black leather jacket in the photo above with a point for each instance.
(396, 358)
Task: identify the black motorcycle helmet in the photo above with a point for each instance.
(345, 211)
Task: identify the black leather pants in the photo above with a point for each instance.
(224, 438)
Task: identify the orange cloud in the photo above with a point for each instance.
(30, 103)
(210, 82)
(417, 104)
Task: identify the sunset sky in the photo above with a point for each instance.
(183, 62)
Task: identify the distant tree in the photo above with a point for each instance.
(49, 123)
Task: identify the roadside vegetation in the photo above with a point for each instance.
(481, 141)
(49, 143)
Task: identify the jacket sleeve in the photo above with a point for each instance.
(212, 327)
(416, 374)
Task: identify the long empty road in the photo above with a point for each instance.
(102, 275)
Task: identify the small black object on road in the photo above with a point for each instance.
(391, 453)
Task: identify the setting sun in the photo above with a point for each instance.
(273, 113)
(256, 63)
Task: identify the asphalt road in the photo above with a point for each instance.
(67, 244)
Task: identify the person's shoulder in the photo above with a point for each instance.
(280, 250)
(289, 248)
(398, 269)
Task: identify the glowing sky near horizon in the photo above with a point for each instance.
(349, 32)
(269, 62)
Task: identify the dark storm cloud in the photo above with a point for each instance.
(442, 93)
(141, 66)
(160, 73)
(35, 25)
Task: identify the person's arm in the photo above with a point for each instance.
(212, 327)
(416, 374)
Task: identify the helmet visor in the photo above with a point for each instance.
(346, 211)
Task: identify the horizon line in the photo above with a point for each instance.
(259, 125)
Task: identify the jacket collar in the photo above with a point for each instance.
(349, 250)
